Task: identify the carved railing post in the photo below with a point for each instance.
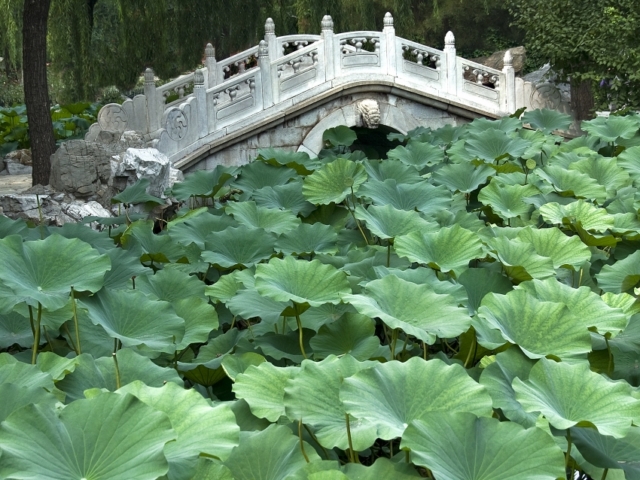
(451, 63)
(271, 39)
(509, 89)
(269, 94)
(211, 64)
(390, 39)
(153, 117)
(200, 92)
(329, 53)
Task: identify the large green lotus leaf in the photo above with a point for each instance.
(170, 285)
(313, 397)
(203, 183)
(572, 395)
(100, 240)
(584, 304)
(23, 375)
(426, 276)
(228, 285)
(611, 129)
(207, 469)
(56, 366)
(460, 446)
(381, 468)
(272, 220)
(480, 281)
(498, 378)
(547, 120)
(238, 246)
(589, 217)
(413, 308)
(504, 124)
(388, 222)
(15, 397)
(417, 154)
(137, 193)
(382, 170)
(212, 354)
(125, 264)
(234, 365)
(609, 452)
(109, 436)
(449, 249)
(492, 144)
(604, 171)
(622, 276)
(333, 182)
(262, 387)
(572, 182)
(136, 319)
(9, 226)
(551, 242)
(462, 177)
(339, 136)
(200, 427)
(316, 317)
(250, 304)
(352, 334)
(159, 248)
(300, 281)
(15, 330)
(257, 175)
(7, 298)
(196, 229)
(200, 318)
(421, 196)
(390, 395)
(520, 260)
(506, 201)
(101, 373)
(322, 470)
(308, 238)
(272, 454)
(284, 197)
(627, 160)
(539, 327)
(44, 271)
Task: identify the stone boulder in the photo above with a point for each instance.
(149, 163)
(82, 169)
(17, 162)
(496, 60)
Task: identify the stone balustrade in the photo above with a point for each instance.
(202, 106)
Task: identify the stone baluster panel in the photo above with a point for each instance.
(509, 87)
(451, 82)
(269, 93)
(329, 47)
(151, 97)
(200, 92)
(210, 62)
(271, 39)
(390, 38)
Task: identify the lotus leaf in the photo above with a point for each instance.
(272, 220)
(339, 136)
(203, 183)
(137, 193)
(547, 120)
(622, 276)
(494, 144)
(333, 182)
(390, 395)
(463, 177)
(308, 239)
(257, 175)
(507, 201)
(569, 395)
(421, 196)
(611, 129)
(352, 334)
(284, 197)
(417, 154)
(238, 246)
(551, 242)
(389, 222)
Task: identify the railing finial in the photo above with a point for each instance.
(198, 77)
(269, 27)
(449, 39)
(388, 20)
(149, 76)
(209, 51)
(508, 59)
(263, 49)
(327, 23)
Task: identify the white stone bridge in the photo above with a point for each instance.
(286, 91)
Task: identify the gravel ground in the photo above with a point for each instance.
(14, 183)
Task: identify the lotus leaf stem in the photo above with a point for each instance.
(388, 254)
(604, 474)
(407, 456)
(66, 329)
(315, 439)
(394, 339)
(610, 361)
(568, 454)
(33, 328)
(41, 224)
(75, 322)
(300, 337)
(36, 336)
(115, 361)
(46, 335)
(304, 454)
(391, 448)
(425, 351)
(354, 217)
(472, 348)
(351, 452)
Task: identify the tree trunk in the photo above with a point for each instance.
(36, 91)
(582, 102)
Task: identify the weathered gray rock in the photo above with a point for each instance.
(496, 60)
(17, 162)
(149, 163)
(17, 168)
(81, 168)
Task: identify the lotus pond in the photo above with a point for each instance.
(464, 309)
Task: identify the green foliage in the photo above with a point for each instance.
(459, 313)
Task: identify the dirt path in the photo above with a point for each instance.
(14, 183)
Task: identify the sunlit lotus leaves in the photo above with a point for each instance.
(390, 395)
(507, 200)
(333, 182)
(388, 222)
(569, 395)
(417, 154)
(547, 120)
(462, 177)
(460, 446)
(553, 243)
(270, 219)
(586, 214)
(421, 196)
(622, 276)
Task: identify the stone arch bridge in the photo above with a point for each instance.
(286, 91)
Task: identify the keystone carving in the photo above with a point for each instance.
(369, 113)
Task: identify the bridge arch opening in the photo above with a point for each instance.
(374, 142)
